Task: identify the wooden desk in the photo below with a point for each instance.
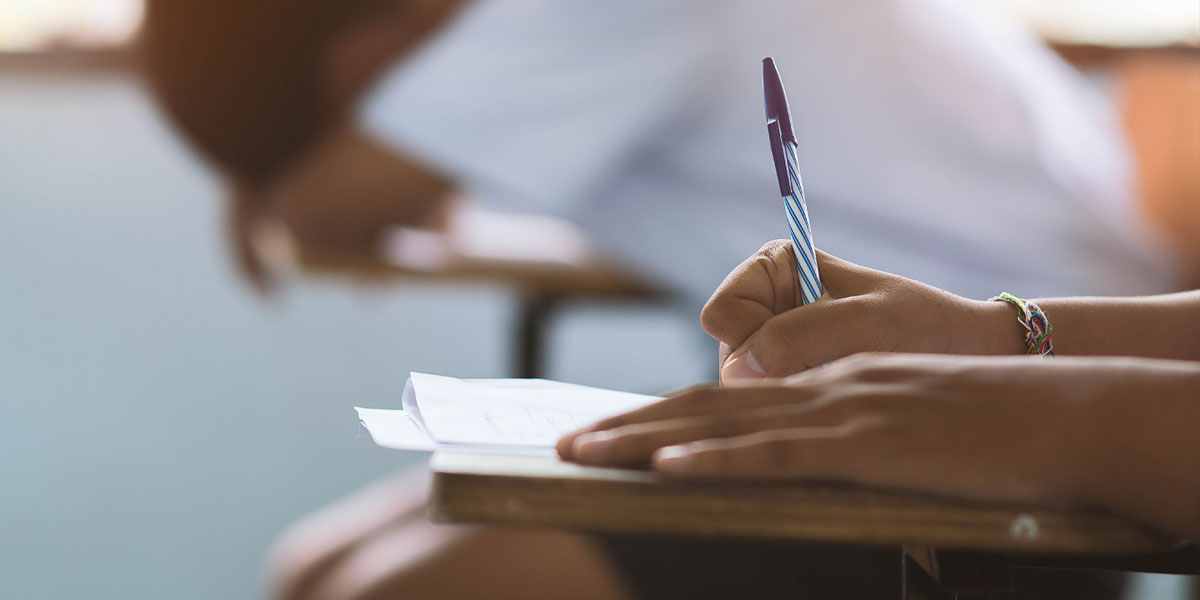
(991, 539)
(543, 491)
(547, 261)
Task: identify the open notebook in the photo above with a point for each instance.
(523, 415)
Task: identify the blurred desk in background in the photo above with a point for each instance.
(547, 261)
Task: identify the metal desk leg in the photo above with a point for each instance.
(533, 314)
(916, 583)
(976, 575)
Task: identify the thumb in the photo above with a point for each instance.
(767, 285)
(763, 286)
(799, 339)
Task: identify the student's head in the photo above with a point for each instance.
(255, 84)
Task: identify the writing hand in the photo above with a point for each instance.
(765, 331)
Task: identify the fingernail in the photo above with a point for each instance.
(592, 446)
(672, 459)
(564, 444)
(742, 366)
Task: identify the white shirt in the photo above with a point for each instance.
(934, 142)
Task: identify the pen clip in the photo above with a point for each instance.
(775, 101)
(781, 166)
(779, 123)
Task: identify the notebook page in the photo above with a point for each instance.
(512, 412)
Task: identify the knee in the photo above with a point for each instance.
(305, 555)
(298, 561)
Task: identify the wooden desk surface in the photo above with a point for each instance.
(535, 254)
(542, 491)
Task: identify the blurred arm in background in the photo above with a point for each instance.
(337, 197)
(263, 89)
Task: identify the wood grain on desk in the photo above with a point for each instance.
(541, 491)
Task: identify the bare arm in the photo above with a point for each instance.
(1147, 448)
(764, 331)
(337, 198)
(1166, 326)
(351, 187)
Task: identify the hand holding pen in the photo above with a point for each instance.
(766, 330)
(790, 307)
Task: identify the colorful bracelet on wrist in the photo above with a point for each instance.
(1038, 331)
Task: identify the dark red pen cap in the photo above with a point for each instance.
(776, 102)
(779, 123)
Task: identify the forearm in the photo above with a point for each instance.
(1147, 462)
(352, 187)
(1166, 326)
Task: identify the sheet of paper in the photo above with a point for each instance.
(493, 413)
(512, 412)
(395, 429)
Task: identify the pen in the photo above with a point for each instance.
(783, 150)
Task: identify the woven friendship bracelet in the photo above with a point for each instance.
(1037, 327)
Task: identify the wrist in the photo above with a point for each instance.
(993, 329)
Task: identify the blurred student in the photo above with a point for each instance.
(1110, 422)
(937, 144)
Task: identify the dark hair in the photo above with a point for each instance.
(242, 78)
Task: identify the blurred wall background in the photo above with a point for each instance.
(159, 425)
